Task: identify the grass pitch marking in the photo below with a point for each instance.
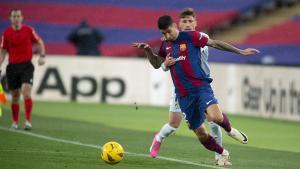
(99, 147)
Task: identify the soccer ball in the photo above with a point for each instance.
(112, 152)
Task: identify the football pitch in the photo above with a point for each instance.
(68, 135)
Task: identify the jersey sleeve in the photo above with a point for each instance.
(34, 36)
(198, 39)
(162, 50)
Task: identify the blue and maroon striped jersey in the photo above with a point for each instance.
(187, 73)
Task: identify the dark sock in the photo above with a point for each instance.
(225, 123)
(28, 109)
(211, 144)
(15, 112)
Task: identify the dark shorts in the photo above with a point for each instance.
(194, 106)
(17, 74)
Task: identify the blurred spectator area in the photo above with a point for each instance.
(279, 44)
(123, 21)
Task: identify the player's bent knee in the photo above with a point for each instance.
(201, 133)
(219, 118)
(202, 136)
(175, 124)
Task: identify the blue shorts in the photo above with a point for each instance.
(194, 105)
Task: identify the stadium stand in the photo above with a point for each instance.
(279, 45)
(122, 22)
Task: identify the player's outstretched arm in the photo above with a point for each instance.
(230, 48)
(154, 59)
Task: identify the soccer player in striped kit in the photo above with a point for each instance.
(187, 22)
(192, 81)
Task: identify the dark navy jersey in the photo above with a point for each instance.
(187, 73)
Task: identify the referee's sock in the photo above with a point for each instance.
(28, 109)
(15, 112)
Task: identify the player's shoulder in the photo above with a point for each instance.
(197, 34)
(188, 34)
(204, 34)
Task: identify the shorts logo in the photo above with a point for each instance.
(182, 47)
(207, 103)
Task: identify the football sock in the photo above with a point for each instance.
(28, 109)
(15, 112)
(164, 132)
(211, 144)
(225, 124)
(216, 133)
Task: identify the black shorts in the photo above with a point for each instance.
(17, 74)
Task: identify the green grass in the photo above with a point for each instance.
(272, 144)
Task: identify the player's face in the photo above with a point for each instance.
(171, 33)
(188, 23)
(16, 17)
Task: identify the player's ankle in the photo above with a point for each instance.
(225, 152)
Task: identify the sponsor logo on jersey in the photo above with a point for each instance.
(180, 58)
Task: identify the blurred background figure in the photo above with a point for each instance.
(86, 39)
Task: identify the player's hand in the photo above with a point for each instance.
(141, 45)
(249, 51)
(169, 61)
(41, 61)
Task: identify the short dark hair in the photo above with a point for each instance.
(187, 12)
(14, 9)
(164, 22)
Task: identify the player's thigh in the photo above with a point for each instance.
(27, 73)
(189, 105)
(13, 77)
(174, 104)
(207, 103)
(214, 113)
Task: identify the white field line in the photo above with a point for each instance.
(99, 147)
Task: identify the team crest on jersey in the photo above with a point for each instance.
(182, 47)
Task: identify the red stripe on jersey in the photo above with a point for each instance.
(187, 66)
(162, 51)
(177, 83)
(176, 79)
